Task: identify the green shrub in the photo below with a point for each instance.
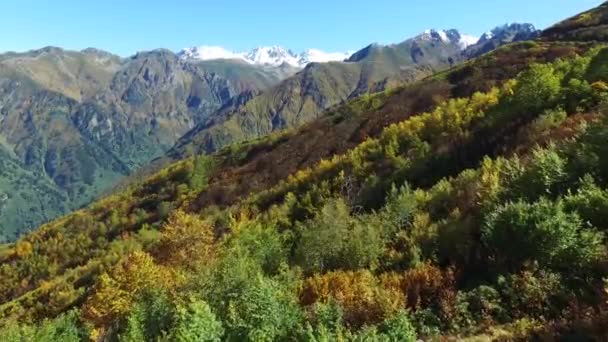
(591, 203)
(63, 328)
(399, 328)
(336, 240)
(543, 232)
(537, 88)
(531, 293)
(543, 175)
(484, 304)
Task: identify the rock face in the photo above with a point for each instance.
(502, 35)
(77, 121)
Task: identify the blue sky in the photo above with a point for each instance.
(127, 26)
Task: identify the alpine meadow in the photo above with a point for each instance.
(443, 188)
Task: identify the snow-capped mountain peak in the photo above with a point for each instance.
(507, 31)
(274, 56)
(209, 53)
(318, 56)
(449, 36)
(467, 40)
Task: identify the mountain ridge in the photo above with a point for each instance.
(81, 120)
(469, 205)
(277, 55)
(263, 55)
(99, 117)
(373, 68)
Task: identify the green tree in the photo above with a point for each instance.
(195, 322)
(400, 207)
(537, 88)
(262, 243)
(543, 175)
(590, 202)
(578, 96)
(199, 176)
(263, 311)
(532, 293)
(134, 326)
(483, 304)
(151, 317)
(598, 68)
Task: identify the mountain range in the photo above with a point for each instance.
(79, 121)
(73, 123)
(469, 204)
(278, 55)
(266, 56)
(304, 96)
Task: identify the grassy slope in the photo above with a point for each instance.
(588, 26)
(74, 74)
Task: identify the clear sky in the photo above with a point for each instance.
(127, 26)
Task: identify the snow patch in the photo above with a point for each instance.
(274, 56)
(205, 53)
(442, 35)
(318, 56)
(271, 56)
(449, 36)
(467, 40)
(94, 123)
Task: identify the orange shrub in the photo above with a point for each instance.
(186, 240)
(359, 293)
(116, 290)
(424, 286)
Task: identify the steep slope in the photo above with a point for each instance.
(82, 120)
(26, 194)
(434, 218)
(418, 134)
(156, 97)
(344, 127)
(587, 26)
(41, 140)
(305, 96)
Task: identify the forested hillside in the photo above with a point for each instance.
(78, 121)
(470, 205)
